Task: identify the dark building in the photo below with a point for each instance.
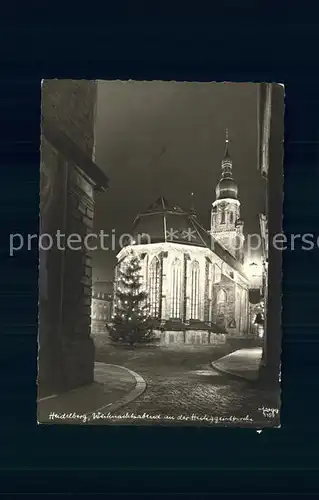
(101, 308)
(69, 179)
(271, 133)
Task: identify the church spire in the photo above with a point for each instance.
(227, 161)
(226, 188)
(192, 207)
(225, 214)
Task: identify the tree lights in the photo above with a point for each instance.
(131, 319)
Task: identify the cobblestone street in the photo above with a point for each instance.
(181, 381)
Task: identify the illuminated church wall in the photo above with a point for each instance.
(184, 283)
(198, 282)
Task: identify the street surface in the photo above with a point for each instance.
(181, 384)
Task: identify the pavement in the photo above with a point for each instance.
(168, 385)
(243, 363)
(182, 383)
(113, 387)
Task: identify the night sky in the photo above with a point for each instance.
(166, 138)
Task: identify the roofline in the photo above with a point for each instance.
(71, 151)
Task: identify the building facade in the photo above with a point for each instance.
(69, 179)
(271, 133)
(101, 307)
(195, 278)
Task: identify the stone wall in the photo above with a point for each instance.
(228, 287)
(78, 281)
(190, 337)
(52, 205)
(66, 350)
(71, 105)
(236, 308)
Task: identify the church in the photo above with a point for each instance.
(195, 280)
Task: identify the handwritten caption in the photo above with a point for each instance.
(128, 416)
(269, 412)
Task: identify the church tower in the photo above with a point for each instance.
(226, 225)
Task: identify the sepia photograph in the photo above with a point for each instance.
(160, 253)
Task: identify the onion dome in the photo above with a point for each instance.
(226, 188)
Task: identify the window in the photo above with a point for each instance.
(176, 289)
(222, 216)
(231, 217)
(221, 302)
(154, 287)
(195, 290)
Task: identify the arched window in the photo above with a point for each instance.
(221, 302)
(154, 287)
(222, 216)
(195, 290)
(231, 217)
(176, 287)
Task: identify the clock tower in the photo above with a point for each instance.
(226, 225)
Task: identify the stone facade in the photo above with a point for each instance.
(271, 112)
(211, 282)
(226, 226)
(69, 179)
(70, 104)
(193, 337)
(101, 307)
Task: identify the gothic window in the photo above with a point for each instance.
(176, 288)
(154, 287)
(221, 302)
(195, 290)
(231, 217)
(222, 216)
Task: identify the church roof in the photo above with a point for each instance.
(163, 221)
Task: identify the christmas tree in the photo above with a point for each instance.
(131, 322)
